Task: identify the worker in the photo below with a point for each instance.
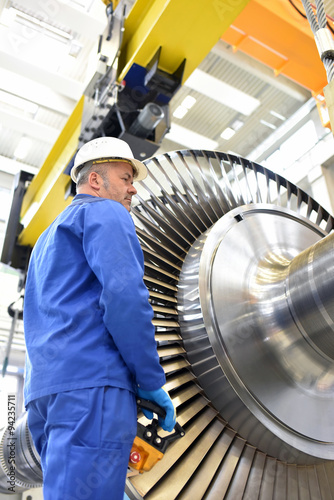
(89, 333)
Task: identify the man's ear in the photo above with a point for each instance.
(94, 180)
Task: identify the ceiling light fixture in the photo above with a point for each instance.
(23, 148)
(237, 124)
(222, 92)
(324, 114)
(180, 112)
(277, 115)
(227, 133)
(41, 24)
(185, 105)
(75, 48)
(267, 124)
(188, 101)
(190, 139)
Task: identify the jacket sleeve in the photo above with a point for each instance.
(114, 254)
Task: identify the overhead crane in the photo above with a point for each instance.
(145, 62)
(239, 266)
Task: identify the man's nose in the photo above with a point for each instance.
(132, 189)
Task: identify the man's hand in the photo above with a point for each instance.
(162, 399)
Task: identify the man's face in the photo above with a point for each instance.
(118, 185)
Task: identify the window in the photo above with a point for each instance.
(293, 148)
(5, 203)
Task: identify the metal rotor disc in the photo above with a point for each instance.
(241, 273)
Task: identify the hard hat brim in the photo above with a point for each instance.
(140, 170)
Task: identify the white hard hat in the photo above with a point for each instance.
(107, 148)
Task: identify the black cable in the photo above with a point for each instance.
(305, 17)
(295, 7)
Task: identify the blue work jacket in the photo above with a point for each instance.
(87, 318)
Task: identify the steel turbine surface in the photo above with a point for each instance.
(234, 262)
(239, 266)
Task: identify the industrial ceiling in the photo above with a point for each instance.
(46, 61)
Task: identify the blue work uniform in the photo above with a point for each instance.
(90, 342)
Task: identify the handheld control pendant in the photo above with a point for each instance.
(148, 447)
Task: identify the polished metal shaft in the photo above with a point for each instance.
(310, 290)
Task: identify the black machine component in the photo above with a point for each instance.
(13, 254)
(160, 81)
(135, 110)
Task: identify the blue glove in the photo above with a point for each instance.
(161, 398)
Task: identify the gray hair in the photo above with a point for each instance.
(101, 168)
(88, 167)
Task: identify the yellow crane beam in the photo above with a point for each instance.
(184, 30)
(46, 196)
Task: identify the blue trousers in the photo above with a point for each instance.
(84, 439)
